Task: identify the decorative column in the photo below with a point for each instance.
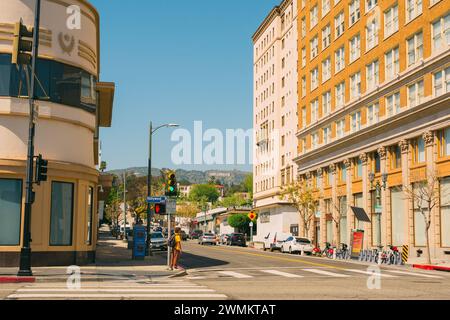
(404, 146)
(366, 197)
(350, 198)
(334, 200)
(431, 157)
(386, 215)
(323, 220)
(301, 228)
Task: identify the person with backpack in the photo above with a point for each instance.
(175, 245)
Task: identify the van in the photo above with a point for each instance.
(274, 240)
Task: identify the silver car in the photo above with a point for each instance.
(208, 238)
(158, 242)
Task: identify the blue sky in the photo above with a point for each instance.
(175, 61)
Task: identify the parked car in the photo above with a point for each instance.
(158, 241)
(208, 238)
(195, 234)
(296, 245)
(237, 239)
(274, 240)
(224, 238)
(184, 235)
(158, 229)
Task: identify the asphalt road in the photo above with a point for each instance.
(246, 273)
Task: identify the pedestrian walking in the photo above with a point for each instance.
(175, 244)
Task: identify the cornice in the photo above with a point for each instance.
(269, 18)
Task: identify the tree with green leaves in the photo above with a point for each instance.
(201, 192)
(239, 221)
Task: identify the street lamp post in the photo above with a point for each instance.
(125, 206)
(377, 202)
(148, 249)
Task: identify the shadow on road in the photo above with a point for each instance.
(193, 261)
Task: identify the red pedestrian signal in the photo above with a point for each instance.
(160, 208)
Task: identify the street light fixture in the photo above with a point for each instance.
(148, 249)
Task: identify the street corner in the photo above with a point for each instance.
(16, 279)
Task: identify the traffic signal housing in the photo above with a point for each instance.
(171, 188)
(41, 169)
(160, 208)
(22, 48)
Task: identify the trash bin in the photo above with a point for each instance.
(130, 239)
(139, 242)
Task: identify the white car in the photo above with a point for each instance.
(208, 238)
(296, 245)
(274, 240)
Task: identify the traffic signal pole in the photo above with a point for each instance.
(25, 252)
(149, 193)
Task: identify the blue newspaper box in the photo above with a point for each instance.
(139, 242)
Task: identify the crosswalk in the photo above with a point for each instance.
(168, 289)
(302, 273)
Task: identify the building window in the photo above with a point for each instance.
(343, 221)
(340, 128)
(314, 110)
(325, 7)
(314, 17)
(303, 117)
(303, 57)
(339, 25)
(10, 211)
(419, 221)
(327, 135)
(340, 94)
(314, 78)
(441, 33)
(355, 85)
(303, 27)
(303, 86)
(315, 140)
(303, 145)
(441, 82)
(373, 113)
(392, 64)
(393, 104)
(339, 59)
(371, 34)
(90, 216)
(342, 173)
(356, 121)
(391, 20)
(413, 9)
(415, 48)
(372, 75)
(326, 36)
(399, 218)
(354, 12)
(376, 162)
(418, 150)
(370, 4)
(314, 43)
(396, 157)
(444, 142)
(61, 219)
(358, 168)
(445, 212)
(326, 69)
(415, 93)
(326, 103)
(355, 48)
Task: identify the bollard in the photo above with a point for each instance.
(334, 254)
(302, 253)
(380, 254)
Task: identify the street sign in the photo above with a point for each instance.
(250, 224)
(378, 208)
(171, 206)
(252, 216)
(156, 199)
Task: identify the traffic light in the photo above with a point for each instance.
(22, 48)
(171, 189)
(160, 208)
(41, 169)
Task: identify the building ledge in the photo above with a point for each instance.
(105, 103)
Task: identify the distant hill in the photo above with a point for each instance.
(226, 177)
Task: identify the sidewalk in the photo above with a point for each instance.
(113, 263)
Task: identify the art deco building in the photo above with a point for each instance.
(275, 118)
(374, 106)
(73, 104)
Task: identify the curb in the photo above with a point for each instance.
(17, 279)
(430, 267)
(182, 273)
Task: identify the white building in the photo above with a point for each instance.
(275, 117)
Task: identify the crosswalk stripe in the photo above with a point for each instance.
(414, 274)
(235, 274)
(116, 290)
(115, 296)
(327, 273)
(283, 274)
(370, 273)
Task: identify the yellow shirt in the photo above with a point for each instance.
(177, 241)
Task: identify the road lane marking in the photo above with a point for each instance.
(114, 290)
(327, 273)
(235, 274)
(414, 274)
(283, 274)
(114, 296)
(370, 273)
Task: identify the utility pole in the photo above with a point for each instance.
(25, 252)
(149, 193)
(125, 206)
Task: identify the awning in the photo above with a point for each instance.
(105, 103)
(360, 214)
(202, 219)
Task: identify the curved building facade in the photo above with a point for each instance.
(72, 105)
